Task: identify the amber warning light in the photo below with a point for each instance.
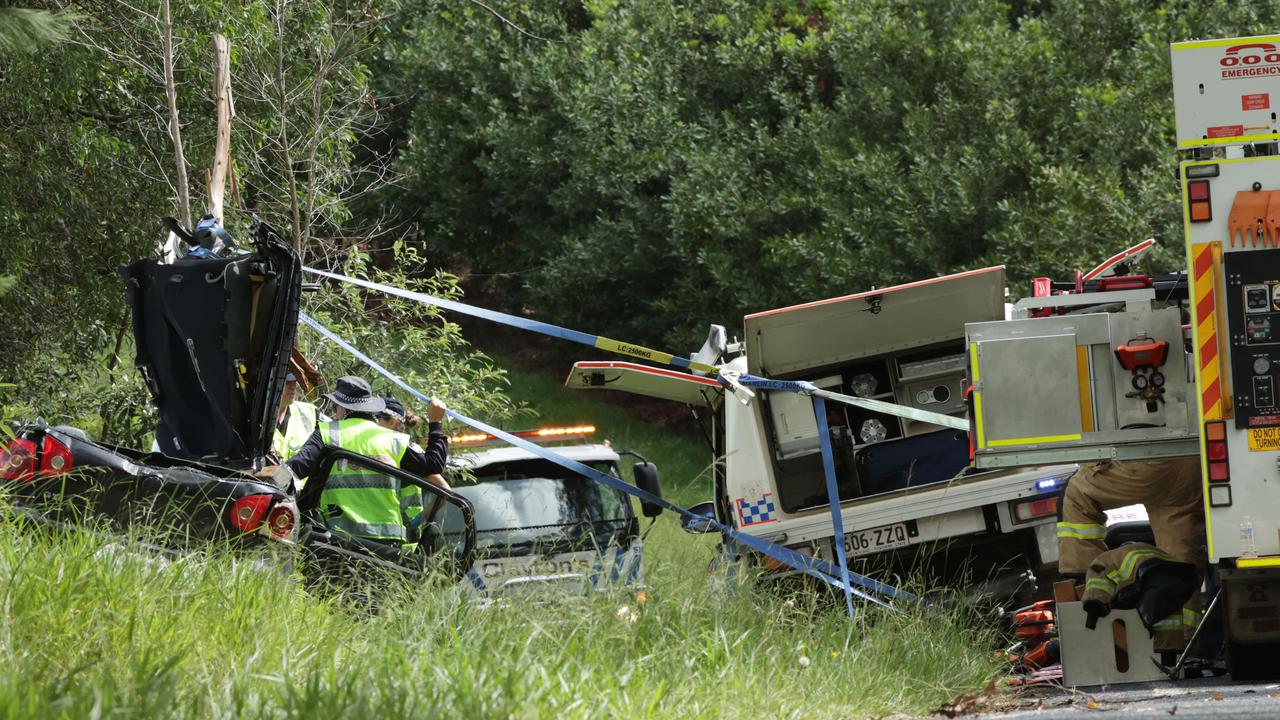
(547, 434)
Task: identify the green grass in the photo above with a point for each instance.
(91, 634)
(117, 636)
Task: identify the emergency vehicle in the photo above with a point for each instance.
(908, 493)
(1125, 385)
(1228, 132)
(542, 529)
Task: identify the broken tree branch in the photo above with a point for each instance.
(226, 111)
(175, 128)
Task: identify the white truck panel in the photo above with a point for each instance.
(1225, 91)
(748, 466)
(838, 330)
(1245, 503)
(960, 496)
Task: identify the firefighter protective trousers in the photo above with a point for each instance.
(1127, 577)
(1172, 493)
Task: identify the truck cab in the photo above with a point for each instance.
(542, 529)
(904, 484)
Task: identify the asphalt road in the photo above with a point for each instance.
(1206, 698)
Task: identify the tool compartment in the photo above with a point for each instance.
(901, 345)
(1077, 388)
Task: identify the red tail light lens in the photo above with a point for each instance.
(55, 458)
(1215, 449)
(18, 461)
(248, 511)
(1033, 509)
(1199, 206)
(281, 521)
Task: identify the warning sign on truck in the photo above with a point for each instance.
(1264, 439)
(1255, 101)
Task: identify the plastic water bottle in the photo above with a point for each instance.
(1248, 548)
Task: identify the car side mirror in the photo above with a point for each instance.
(438, 525)
(646, 475)
(701, 523)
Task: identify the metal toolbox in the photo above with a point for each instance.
(1078, 388)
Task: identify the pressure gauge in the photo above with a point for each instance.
(873, 431)
(1261, 366)
(1139, 382)
(1157, 379)
(863, 385)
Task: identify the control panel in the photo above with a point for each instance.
(1253, 320)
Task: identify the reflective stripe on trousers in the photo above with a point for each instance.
(1081, 531)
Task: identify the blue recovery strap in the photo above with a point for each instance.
(639, 351)
(595, 341)
(812, 566)
(807, 388)
(833, 496)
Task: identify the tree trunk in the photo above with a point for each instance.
(286, 158)
(175, 128)
(169, 250)
(226, 111)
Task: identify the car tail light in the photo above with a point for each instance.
(1215, 450)
(18, 460)
(55, 458)
(248, 511)
(282, 520)
(1035, 509)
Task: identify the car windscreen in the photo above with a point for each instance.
(527, 506)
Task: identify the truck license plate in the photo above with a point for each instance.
(874, 540)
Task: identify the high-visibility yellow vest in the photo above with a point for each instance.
(370, 502)
(302, 422)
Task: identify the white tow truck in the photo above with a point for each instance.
(908, 493)
(544, 530)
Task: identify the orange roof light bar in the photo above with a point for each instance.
(469, 438)
(559, 431)
(546, 434)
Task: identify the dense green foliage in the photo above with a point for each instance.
(409, 338)
(674, 163)
(87, 167)
(680, 163)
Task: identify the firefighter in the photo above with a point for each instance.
(359, 502)
(1142, 576)
(296, 421)
(1171, 491)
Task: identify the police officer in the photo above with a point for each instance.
(1172, 493)
(396, 417)
(355, 500)
(296, 421)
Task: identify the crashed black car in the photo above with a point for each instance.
(214, 337)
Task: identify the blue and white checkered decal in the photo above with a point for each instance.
(755, 512)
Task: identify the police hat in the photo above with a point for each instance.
(354, 394)
(394, 408)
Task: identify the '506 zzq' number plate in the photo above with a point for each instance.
(878, 539)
